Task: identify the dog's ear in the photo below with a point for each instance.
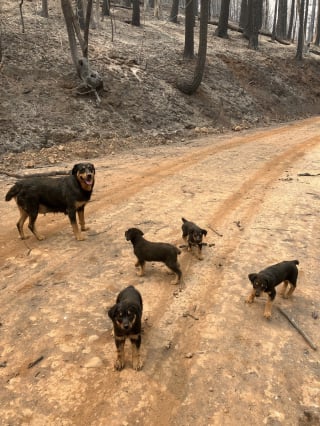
(252, 277)
(112, 311)
(140, 232)
(75, 169)
(204, 231)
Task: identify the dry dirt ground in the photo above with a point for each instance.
(209, 358)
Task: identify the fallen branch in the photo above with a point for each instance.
(16, 175)
(308, 174)
(216, 232)
(295, 325)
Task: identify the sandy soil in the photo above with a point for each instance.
(209, 358)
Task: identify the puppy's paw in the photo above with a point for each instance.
(80, 237)
(85, 228)
(250, 299)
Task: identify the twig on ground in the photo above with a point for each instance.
(32, 364)
(216, 232)
(295, 325)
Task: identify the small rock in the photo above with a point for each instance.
(94, 362)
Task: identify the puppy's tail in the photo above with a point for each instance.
(13, 192)
(296, 262)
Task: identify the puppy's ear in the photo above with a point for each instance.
(112, 311)
(140, 232)
(204, 231)
(252, 277)
(75, 169)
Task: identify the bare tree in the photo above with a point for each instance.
(190, 88)
(254, 22)
(222, 29)
(174, 11)
(282, 19)
(317, 39)
(299, 53)
(189, 31)
(91, 79)
(291, 20)
(44, 11)
(135, 13)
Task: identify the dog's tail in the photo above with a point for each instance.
(296, 262)
(184, 220)
(13, 192)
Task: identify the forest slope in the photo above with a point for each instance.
(140, 104)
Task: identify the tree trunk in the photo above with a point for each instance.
(282, 19)
(106, 8)
(174, 12)
(299, 53)
(44, 11)
(189, 31)
(135, 13)
(317, 40)
(222, 29)
(243, 14)
(291, 20)
(254, 23)
(190, 88)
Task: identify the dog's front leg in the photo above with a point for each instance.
(81, 219)
(140, 264)
(135, 344)
(73, 221)
(119, 341)
(250, 298)
(200, 256)
(268, 307)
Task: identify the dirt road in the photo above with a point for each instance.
(209, 358)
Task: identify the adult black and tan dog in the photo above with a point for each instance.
(193, 235)
(126, 316)
(43, 194)
(147, 251)
(267, 280)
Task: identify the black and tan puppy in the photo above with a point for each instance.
(147, 251)
(267, 280)
(43, 194)
(193, 235)
(126, 316)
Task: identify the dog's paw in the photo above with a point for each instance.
(137, 365)
(249, 299)
(119, 365)
(267, 315)
(80, 237)
(85, 228)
